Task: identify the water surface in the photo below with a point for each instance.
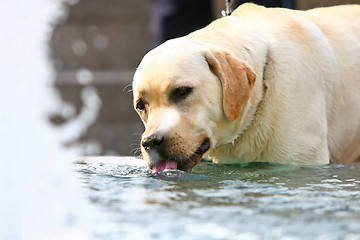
(256, 201)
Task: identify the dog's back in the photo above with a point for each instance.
(344, 119)
(328, 41)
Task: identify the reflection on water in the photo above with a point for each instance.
(258, 201)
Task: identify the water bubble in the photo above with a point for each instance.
(79, 47)
(169, 174)
(350, 180)
(75, 128)
(331, 181)
(68, 111)
(84, 76)
(100, 42)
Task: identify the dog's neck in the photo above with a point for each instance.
(251, 112)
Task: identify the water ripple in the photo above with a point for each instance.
(223, 201)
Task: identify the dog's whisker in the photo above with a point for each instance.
(136, 151)
(136, 134)
(134, 144)
(127, 86)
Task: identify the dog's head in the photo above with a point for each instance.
(187, 96)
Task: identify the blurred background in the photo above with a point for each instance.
(99, 44)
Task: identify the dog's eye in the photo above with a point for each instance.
(181, 93)
(140, 105)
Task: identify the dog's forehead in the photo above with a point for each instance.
(165, 68)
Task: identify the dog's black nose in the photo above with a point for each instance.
(152, 142)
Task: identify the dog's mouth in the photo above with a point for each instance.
(184, 165)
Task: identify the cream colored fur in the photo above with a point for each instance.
(303, 108)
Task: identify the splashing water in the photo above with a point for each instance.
(40, 196)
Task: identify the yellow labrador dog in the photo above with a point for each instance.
(262, 85)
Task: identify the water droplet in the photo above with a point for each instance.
(79, 47)
(68, 111)
(84, 76)
(100, 42)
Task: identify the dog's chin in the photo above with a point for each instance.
(197, 156)
(183, 163)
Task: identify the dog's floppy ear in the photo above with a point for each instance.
(237, 79)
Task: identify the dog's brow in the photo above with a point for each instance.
(142, 93)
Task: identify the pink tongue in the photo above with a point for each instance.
(163, 165)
